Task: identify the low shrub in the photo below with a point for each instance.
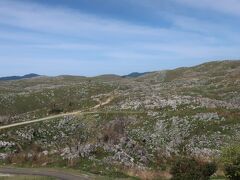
(185, 168)
(231, 160)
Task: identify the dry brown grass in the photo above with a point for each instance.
(148, 174)
(24, 158)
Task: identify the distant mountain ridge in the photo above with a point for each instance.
(27, 76)
(135, 74)
(32, 75)
(141, 75)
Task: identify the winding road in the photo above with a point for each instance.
(51, 173)
(58, 115)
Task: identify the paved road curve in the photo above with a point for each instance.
(41, 172)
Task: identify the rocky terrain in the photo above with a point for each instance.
(151, 117)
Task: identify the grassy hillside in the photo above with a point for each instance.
(192, 111)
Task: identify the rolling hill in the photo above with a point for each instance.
(149, 118)
(11, 78)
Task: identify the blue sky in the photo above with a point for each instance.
(92, 37)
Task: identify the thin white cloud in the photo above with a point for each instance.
(43, 33)
(59, 20)
(72, 23)
(231, 7)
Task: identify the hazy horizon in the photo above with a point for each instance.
(89, 38)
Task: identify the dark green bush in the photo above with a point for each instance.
(209, 169)
(231, 160)
(185, 168)
(232, 171)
